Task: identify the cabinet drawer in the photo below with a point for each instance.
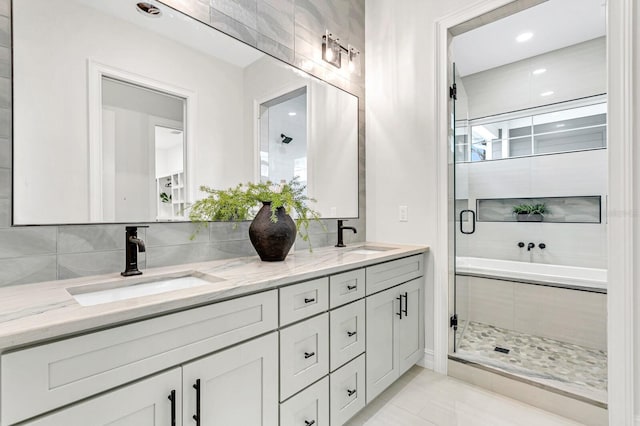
(386, 275)
(347, 331)
(309, 407)
(346, 287)
(304, 354)
(347, 388)
(41, 378)
(300, 301)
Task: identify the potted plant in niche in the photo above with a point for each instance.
(272, 231)
(530, 212)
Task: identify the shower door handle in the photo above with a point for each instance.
(473, 221)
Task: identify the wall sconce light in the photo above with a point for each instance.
(331, 49)
(354, 61)
(332, 52)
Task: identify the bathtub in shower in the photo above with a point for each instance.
(592, 279)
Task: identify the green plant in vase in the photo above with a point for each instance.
(530, 212)
(241, 202)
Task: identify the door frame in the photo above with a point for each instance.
(95, 72)
(622, 195)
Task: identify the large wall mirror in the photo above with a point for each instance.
(121, 115)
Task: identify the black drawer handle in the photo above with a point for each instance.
(308, 355)
(309, 423)
(172, 398)
(399, 299)
(309, 300)
(350, 392)
(196, 416)
(406, 303)
(351, 333)
(352, 287)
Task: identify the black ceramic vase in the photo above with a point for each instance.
(272, 240)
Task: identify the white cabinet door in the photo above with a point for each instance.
(411, 326)
(307, 408)
(382, 330)
(395, 334)
(144, 403)
(238, 386)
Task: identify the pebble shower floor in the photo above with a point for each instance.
(565, 366)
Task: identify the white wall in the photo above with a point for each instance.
(61, 134)
(572, 72)
(401, 155)
(559, 175)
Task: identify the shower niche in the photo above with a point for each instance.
(574, 209)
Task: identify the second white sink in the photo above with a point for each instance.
(124, 289)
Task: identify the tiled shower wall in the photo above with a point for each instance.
(288, 29)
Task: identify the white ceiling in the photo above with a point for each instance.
(555, 24)
(180, 28)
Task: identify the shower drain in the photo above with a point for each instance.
(502, 350)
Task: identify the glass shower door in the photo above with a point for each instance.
(464, 213)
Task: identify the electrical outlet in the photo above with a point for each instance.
(403, 213)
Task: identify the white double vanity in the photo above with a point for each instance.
(308, 341)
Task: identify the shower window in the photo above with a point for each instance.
(525, 134)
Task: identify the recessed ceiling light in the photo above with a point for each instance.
(560, 125)
(547, 93)
(148, 9)
(539, 71)
(524, 37)
(292, 113)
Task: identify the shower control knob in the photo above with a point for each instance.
(520, 244)
(542, 245)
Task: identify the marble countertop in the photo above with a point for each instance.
(43, 311)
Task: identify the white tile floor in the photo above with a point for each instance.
(424, 398)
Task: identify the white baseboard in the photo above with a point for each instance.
(427, 360)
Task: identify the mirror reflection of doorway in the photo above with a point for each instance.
(143, 147)
(283, 138)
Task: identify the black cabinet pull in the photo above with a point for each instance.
(309, 300)
(406, 303)
(196, 416)
(399, 299)
(351, 333)
(308, 355)
(309, 423)
(351, 391)
(172, 398)
(352, 287)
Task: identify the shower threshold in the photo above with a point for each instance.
(571, 370)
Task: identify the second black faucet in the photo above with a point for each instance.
(341, 228)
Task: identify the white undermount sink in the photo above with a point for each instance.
(129, 288)
(370, 249)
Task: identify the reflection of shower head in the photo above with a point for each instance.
(285, 139)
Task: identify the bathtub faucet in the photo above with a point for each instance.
(530, 246)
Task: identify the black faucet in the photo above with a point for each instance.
(530, 246)
(132, 245)
(340, 233)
